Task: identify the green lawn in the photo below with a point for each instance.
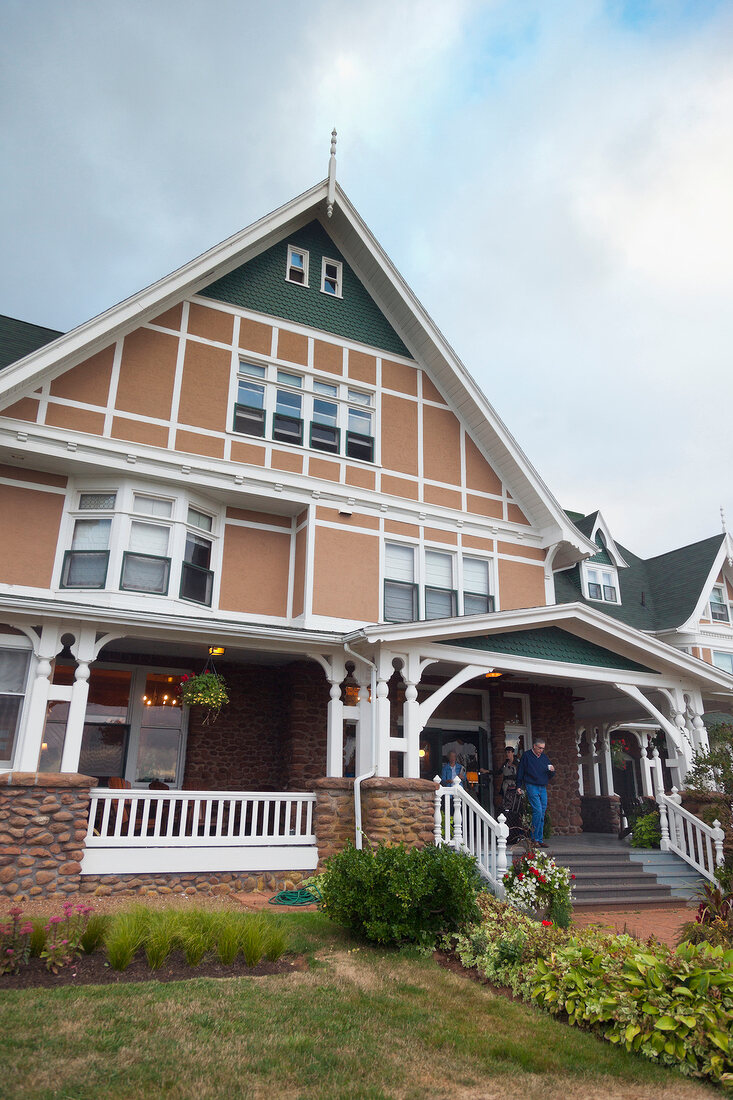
(357, 1024)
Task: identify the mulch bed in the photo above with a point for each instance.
(451, 962)
(94, 970)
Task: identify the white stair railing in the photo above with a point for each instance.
(462, 823)
(699, 844)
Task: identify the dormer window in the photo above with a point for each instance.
(297, 269)
(602, 584)
(331, 277)
(719, 611)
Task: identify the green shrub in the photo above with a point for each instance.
(93, 935)
(396, 895)
(39, 935)
(647, 832)
(276, 941)
(125, 935)
(227, 939)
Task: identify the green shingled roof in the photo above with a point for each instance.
(658, 593)
(20, 338)
(550, 643)
(260, 285)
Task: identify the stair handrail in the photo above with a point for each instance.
(470, 828)
(699, 844)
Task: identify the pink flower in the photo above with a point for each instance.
(26, 929)
(55, 920)
(9, 951)
(15, 912)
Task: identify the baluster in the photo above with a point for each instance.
(709, 862)
(219, 818)
(457, 816)
(132, 819)
(120, 801)
(207, 817)
(145, 817)
(158, 816)
(501, 861)
(437, 839)
(298, 817)
(195, 817)
(309, 818)
(663, 825)
(718, 838)
(104, 828)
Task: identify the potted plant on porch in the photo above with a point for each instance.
(207, 689)
(540, 887)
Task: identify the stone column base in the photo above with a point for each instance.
(393, 811)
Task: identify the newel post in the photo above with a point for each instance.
(457, 815)
(663, 825)
(501, 860)
(437, 831)
(718, 838)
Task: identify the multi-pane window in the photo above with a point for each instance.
(426, 584)
(146, 564)
(13, 677)
(723, 660)
(294, 408)
(85, 564)
(719, 611)
(197, 578)
(297, 266)
(602, 584)
(331, 277)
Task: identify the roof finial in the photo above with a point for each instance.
(722, 520)
(331, 196)
(727, 538)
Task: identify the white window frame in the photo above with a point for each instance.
(339, 277)
(728, 656)
(347, 397)
(725, 602)
(420, 550)
(306, 264)
(522, 729)
(601, 569)
(21, 643)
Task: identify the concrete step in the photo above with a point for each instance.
(650, 901)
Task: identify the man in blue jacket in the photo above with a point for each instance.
(533, 775)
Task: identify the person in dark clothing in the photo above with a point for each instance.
(508, 773)
(533, 775)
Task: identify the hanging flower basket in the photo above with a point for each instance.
(618, 754)
(208, 690)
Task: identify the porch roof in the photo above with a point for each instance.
(551, 644)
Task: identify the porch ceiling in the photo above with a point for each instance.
(187, 653)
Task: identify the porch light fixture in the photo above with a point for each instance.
(216, 650)
(493, 675)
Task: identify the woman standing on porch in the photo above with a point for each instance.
(533, 775)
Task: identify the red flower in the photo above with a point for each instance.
(520, 876)
(547, 923)
(572, 876)
(207, 672)
(183, 679)
(542, 878)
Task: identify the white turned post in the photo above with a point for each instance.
(364, 750)
(75, 720)
(578, 739)
(595, 769)
(718, 838)
(411, 730)
(657, 772)
(437, 831)
(382, 730)
(647, 787)
(457, 815)
(663, 825)
(30, 749)
(679, 829)
(501, 860)
(335, 732)
(608, 763)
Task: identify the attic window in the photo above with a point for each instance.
(718, 606)
(297, 270)
(601, 584)
(331, 277)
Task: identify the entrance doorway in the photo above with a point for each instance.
(472, 752)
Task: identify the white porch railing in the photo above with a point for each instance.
(462, 823)
(699, 844)
(133, 831)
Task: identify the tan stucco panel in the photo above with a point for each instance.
(287, 460)
(328, 357)
(31, 521)
(346, 575)
(434, 534)
(301, 543)
(254, 572)
(332, 515)
(479, 474)
(399, 434)
(247, 453)
(193, 443)
(399, 377)
(76, 420)
(328, 471)
(88, 382)
(170, 319)
(259, 517)
(137, 431)
(292, 346)
(362, 368)
(38, 477)
(398, 487)
(441, 435)
(472, 542)
(516, 515)
(520, 585)
(205, 387)
(394, 527)
(521, 551)
(483, 506)
(445, 498)
(255, 337)
(429, 391)
(707, 656)
(211, 324)
(364, 479)
(147, 373)
(25, 409)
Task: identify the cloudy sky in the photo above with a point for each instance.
(554, 178)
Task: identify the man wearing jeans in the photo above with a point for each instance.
(533, 775)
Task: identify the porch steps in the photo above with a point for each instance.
(607, 875)
(683, 880)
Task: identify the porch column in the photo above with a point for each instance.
(608, 762)
(364, 759)
(335, 733)
(581, 784)
(657, 773)
(85, 650)
(412, 730)
(46, 648)
(382, 733)
(647, 786)
(595, 769)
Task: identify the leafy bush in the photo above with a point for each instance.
(714, 920)
(396, 895)
(63, 942)
(15, 942)
(647, 831)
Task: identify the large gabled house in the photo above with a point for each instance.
(275, 454)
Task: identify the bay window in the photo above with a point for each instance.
(85, 564)
(13, 678)
(197, 579)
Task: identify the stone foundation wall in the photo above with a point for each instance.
(601, 813)
(394, 810)
(43, 823)
(191, 884)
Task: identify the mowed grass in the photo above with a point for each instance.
(359, 1024)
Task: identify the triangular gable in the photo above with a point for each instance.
(550, 644)
(260, 285)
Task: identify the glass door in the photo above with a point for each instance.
(157, 729)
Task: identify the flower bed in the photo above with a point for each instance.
(674, 1007)
(537, 884)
